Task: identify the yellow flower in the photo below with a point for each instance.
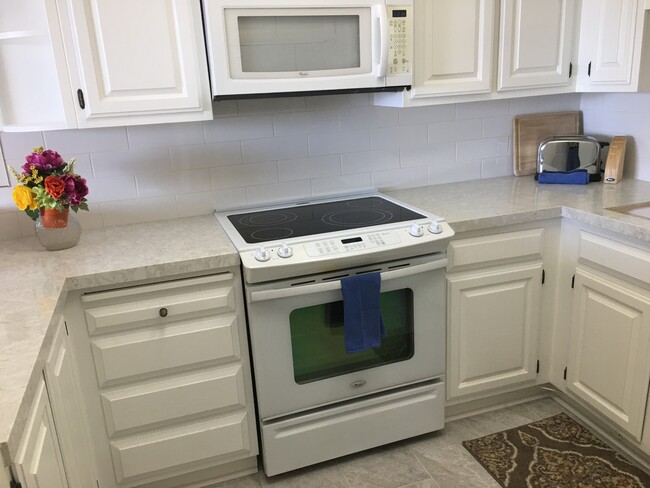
(24, 198)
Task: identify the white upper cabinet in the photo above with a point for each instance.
(136, 62)
(453, 47)
(536, 43)
(612, 57)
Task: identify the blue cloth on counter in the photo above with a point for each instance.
(564, 178)
(363, 326)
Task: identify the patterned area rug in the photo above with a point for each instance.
(556, 452)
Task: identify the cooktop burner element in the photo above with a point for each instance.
(319, 218)
(299, 239)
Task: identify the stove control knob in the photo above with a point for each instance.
(285, 251)
(435, 227)
(416, 230)
(262, 254)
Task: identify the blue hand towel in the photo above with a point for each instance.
(564, 178)
(363, 326)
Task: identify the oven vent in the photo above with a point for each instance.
(365, 271)
(337, 277)
(398, 266)
(303, 283)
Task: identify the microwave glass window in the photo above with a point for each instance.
(299, 43)
(318, 344)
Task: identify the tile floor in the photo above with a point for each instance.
(435, 460)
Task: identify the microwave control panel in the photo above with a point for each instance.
(400, 40)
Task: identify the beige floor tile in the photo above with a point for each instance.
(324, 475)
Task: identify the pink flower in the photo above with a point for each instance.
(75, 188)
(44, 162)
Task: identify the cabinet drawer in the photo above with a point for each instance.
(141, 455)
(158, 304)
(164, 350)
(495, 249)
(173, 398)
(622, 258)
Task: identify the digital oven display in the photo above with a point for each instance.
(351, 240)
(399, 13)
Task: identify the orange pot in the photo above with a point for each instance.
(54, 219)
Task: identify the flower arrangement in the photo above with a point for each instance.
(48, 183)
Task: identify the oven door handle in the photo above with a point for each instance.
(263, 295)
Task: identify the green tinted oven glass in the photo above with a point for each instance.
(318, 344)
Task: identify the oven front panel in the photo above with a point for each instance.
(298, 342)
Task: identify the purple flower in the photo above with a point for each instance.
(45, 162)
(75, 188)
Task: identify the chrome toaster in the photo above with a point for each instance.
(565, 154)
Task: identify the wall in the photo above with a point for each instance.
(622, 114)
(258, 151)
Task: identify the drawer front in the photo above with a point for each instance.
(158, 304)
(173, 398)
(138, 456)
(495, 249)
(622, 258)
(164, 350)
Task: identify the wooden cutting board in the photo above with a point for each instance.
(529, 130)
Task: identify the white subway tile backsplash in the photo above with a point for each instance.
(491, 108)
(75, 141)
(452, 172)
(306, 123)
(429, 154)
(338, 185)
(494, 167)
(238, 128)
(6, 201)
(337, 143)
(329, 102)
(307, 168)
(370, 161)
(165, 135)
(111, 188)
(274, 148)
(497, 126)
(206, 155)
(402, 178)
(396, 137)
(242, 175)
(133, 161)
(457, 130)
(192, 204)
(173, 182)
(367, 117)
(140, 210)
(17, 145)
(482, 148)
(270, 105)
(426, 115)
(224, 108)
(277, 192)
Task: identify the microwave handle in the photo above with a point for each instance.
(263, 295)
(382, 21)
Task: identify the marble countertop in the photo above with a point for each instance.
(34, 282)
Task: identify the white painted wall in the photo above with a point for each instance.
(622, 114)
(271, 150)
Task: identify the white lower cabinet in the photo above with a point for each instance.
(494, 288)
(39, 463)
(609, 358)
(165, 376)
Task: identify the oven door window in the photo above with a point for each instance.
(318, 344)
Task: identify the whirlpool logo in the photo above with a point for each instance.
(302, 74)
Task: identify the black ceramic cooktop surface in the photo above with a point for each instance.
(319, 218)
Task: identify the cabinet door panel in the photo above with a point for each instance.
(609, 364)
(493, 328)
(535, 43)
(138, 57)
(39, 460)
(453, 47)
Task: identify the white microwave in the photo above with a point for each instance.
(265, 47)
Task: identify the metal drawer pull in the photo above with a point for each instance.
(163, 312)
(357, 384)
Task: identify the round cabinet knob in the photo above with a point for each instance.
(262, 254)
(416, 230)
(435, 227)
(163, 312)
(285, 251)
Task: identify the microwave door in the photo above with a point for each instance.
(279, 50)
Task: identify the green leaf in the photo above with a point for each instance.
(84, 206)
(33, 214)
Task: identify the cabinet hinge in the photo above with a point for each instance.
(80, 97)
(570, 70)
(543, 276)
(573, 281)
(65, 324)
(538, 365)
(589, 69)
(565, 373)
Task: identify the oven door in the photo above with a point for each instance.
(296, 329)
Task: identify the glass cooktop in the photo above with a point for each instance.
(319, 218)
